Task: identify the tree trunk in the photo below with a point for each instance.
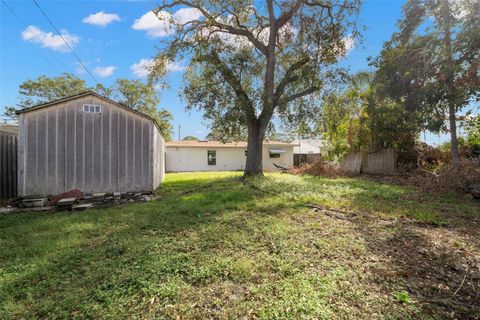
(450, 85)
(254, 164)
(453, 134)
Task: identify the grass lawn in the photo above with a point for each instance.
(213, 247)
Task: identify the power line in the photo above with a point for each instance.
(38, 51)
(61, 36)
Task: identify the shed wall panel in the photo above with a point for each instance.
(105, 158)
(30, 147)
(70, 145)
(52, 149)
(130, 152)
(115, 143)
(97, 152)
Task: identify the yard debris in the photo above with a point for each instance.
(66, 204)
(34, 202)
(284, 170)
(76, 200)
(75, 193)
(320, 168)
(333, 213)
(464, 178)
(81, 207)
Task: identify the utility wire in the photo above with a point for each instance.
(61, 36)
(38, 51)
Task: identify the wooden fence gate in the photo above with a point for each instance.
(8, 165)
(381, 162)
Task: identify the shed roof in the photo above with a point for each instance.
(221, 144)
(84, 94)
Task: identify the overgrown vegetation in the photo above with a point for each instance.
(212, 247)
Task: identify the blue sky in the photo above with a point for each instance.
(112, 38)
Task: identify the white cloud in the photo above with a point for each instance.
(162, 24)
(49, 40)
(104, 71)
(349, 42)
(141, 69)
(101, 18)
(174, 67)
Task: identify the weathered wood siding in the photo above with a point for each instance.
(379, 162)
(8, 165)
(63, 148)
(352, 162)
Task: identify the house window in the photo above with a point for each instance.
(92, 108)
(276, 152)
(212, 157)
(245, 153)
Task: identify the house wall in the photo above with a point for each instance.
(61, 147)
(195, 158)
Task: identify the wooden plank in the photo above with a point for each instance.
(115, 144)
(130, 152)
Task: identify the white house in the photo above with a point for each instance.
(223, 156)
(311, 146)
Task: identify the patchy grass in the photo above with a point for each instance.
(214, 247)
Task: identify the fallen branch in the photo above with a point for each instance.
(333, 213)
(284, 170)
(461, 285)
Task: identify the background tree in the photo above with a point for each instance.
(431, 64)
(132, 93)
(45, 89)
(190, 138)
(143, 97)
(251, 61)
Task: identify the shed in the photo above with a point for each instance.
(90, 143)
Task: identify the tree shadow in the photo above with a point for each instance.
(442, 279)
(67, 262)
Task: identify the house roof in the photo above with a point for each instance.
(84, 94)
(304, 146)
(9, 129)
(220, 144)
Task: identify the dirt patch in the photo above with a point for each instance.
(438, 268)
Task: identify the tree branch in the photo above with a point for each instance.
(287, 16)
(233, 81)
(299, 95)
(289, 77)
(212, 21)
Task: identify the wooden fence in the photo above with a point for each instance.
(8, 165)
(378, 162)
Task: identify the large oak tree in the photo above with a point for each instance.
(250, 61)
